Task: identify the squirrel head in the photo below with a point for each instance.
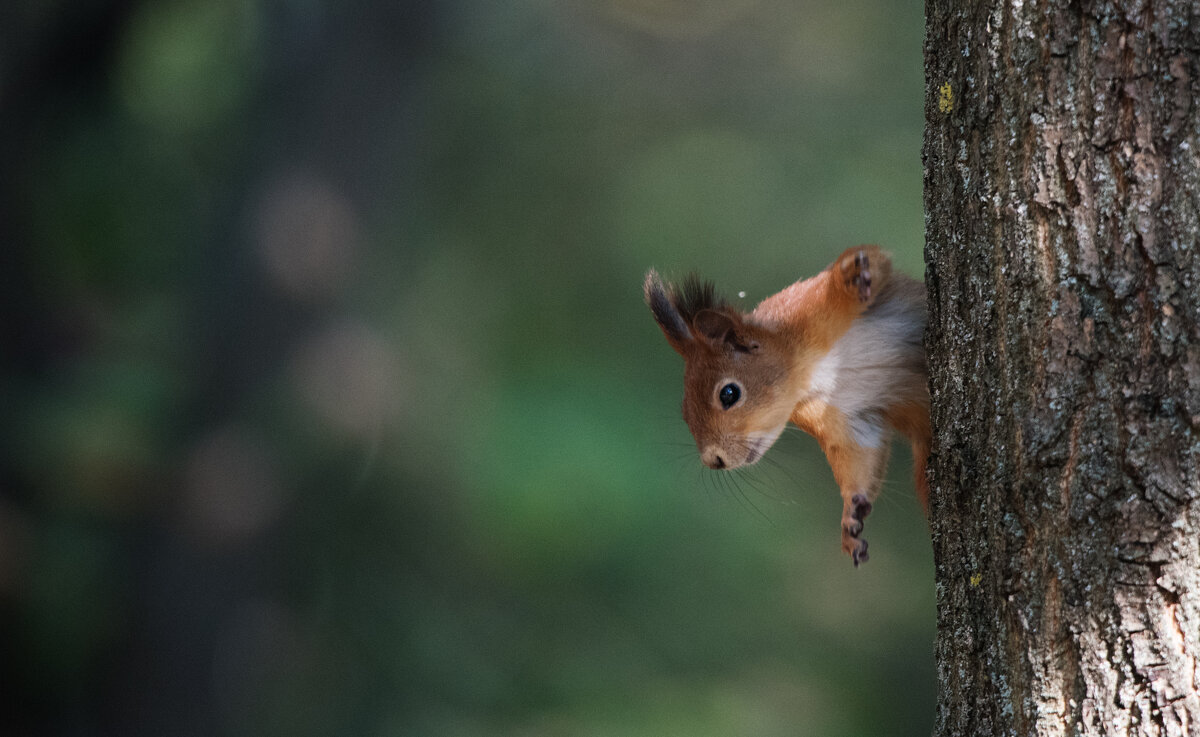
(736, 399)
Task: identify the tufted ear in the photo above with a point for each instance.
(722, 328)
(665, 314)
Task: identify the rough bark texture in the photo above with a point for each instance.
(1062, 196)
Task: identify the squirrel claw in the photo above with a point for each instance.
(856, 271)
(860, 553)
(862, 277)
(856, 510)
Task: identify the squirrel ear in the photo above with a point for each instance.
(721, 327)
(672, 323)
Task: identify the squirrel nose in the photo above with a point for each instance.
(713, 459)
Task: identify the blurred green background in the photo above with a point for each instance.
(331, 404)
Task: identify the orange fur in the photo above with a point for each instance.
(838, 355)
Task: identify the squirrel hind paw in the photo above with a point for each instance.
(856, 273)
(862, 265)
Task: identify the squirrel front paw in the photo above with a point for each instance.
(860, 553)
(854, 547)
(854, 512)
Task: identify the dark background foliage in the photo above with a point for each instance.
(331, 403)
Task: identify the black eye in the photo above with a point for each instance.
(729, 395)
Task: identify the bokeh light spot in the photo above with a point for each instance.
(232, 486)
(306, 234)
(188, 65)
(349, 377)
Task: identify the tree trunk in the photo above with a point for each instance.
(1062, 199)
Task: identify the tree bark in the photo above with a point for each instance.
(1062, 199)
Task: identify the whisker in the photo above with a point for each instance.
(706, 482)
(763, 489)
(757, 486)
(742, 495)
(721, 481)
(775, 464)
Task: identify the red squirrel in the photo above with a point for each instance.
(839, 355)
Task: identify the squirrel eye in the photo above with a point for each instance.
(729, 395)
